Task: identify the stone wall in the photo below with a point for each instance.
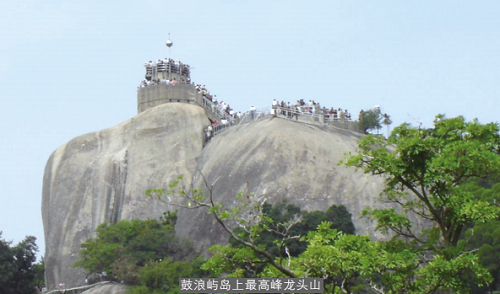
(161, 93)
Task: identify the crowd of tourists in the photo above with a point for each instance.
(312, 108)
(283, 109)
(168, 65)
(221, 108)
(228, 116)
(173, 82)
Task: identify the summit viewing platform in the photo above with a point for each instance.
(169, 81)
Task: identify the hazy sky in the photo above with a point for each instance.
(72, 67)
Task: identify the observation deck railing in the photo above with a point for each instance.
(294, 113)
(216, 112)
(213, 130)
(215, 109)
(300, 113)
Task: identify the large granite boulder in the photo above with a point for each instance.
(103, 176)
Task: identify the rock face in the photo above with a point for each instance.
(103, 176)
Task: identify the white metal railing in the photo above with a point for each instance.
(215, 109)
(256, 115)
(212, 130)
(75, 289)
(296, 113)
(301, 113)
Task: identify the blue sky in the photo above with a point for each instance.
(69, 68)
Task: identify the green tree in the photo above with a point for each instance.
(7, 267)
(285, 226)
(18, 270)
(370, 120)
(39, 276)
(121, 250)
(253, 223)
(432, 164)
(24, 261)
(144, 254)
(425, 171)
(285, 213)
(256, 218)
(163, 277)
(386, 120)
(363, 261)
(486, 236)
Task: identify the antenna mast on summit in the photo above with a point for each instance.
(169, 44)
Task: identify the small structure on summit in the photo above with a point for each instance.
(167, 81)
(167, 70)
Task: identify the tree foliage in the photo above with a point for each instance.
(386, 120)
(370, 120)
(425, 171)
(121, 250)
(256, 219)
(285, 225)
(432, 164)
(486, 236)
(144, 254)
(19, 273)
(284, 212)
(163, 277)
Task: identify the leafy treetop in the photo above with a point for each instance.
(121, 250)
(433, 164)
(370, 120)
(18, 272)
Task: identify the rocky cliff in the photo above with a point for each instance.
(103, 176)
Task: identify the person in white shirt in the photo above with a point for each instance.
(252, 112)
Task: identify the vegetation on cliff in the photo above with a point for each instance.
(281, 229)
(144, 254)
(373, 119)
(127, 250)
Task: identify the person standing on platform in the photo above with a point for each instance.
(252, 112)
